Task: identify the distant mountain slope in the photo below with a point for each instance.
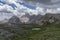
(14, 19)
(57, 16)
(27, 18)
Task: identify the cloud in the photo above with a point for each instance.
(44, 3)
(38, 1)
(6, 12)
(51, 6)
(20, 9)
(53, 1)
(8, 8)
(53, 11)
(8, 1)
(45, 6)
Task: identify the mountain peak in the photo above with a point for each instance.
(14, 19)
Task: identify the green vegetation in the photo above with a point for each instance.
(51, 32)
(46, 32)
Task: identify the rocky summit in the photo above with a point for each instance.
(35, 19)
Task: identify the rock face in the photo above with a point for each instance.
(30, 18)
(35, 19)
(57, 16)
(14, 19)
(48, 18)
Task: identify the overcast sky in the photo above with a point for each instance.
(8, 8)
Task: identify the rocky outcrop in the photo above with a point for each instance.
(48, 18)
(35, 19)
(14, 19)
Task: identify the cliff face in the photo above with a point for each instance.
(14, 19)
(35, 19)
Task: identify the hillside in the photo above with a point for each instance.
(45, 28)
(49, 31)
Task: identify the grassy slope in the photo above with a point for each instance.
(46, 32)
(51, 32)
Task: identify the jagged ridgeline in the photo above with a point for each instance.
(38, 27)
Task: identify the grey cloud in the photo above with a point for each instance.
(5, 11)
(45, 3)
(40, 1)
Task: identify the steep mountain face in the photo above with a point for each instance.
(49, 18)
(57, 16)
(28, 19)
(14, 19)
(35, 18)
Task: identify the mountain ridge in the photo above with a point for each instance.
(33, 18)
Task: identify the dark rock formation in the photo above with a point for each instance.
(14, 19)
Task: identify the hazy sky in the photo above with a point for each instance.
(8, 8)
